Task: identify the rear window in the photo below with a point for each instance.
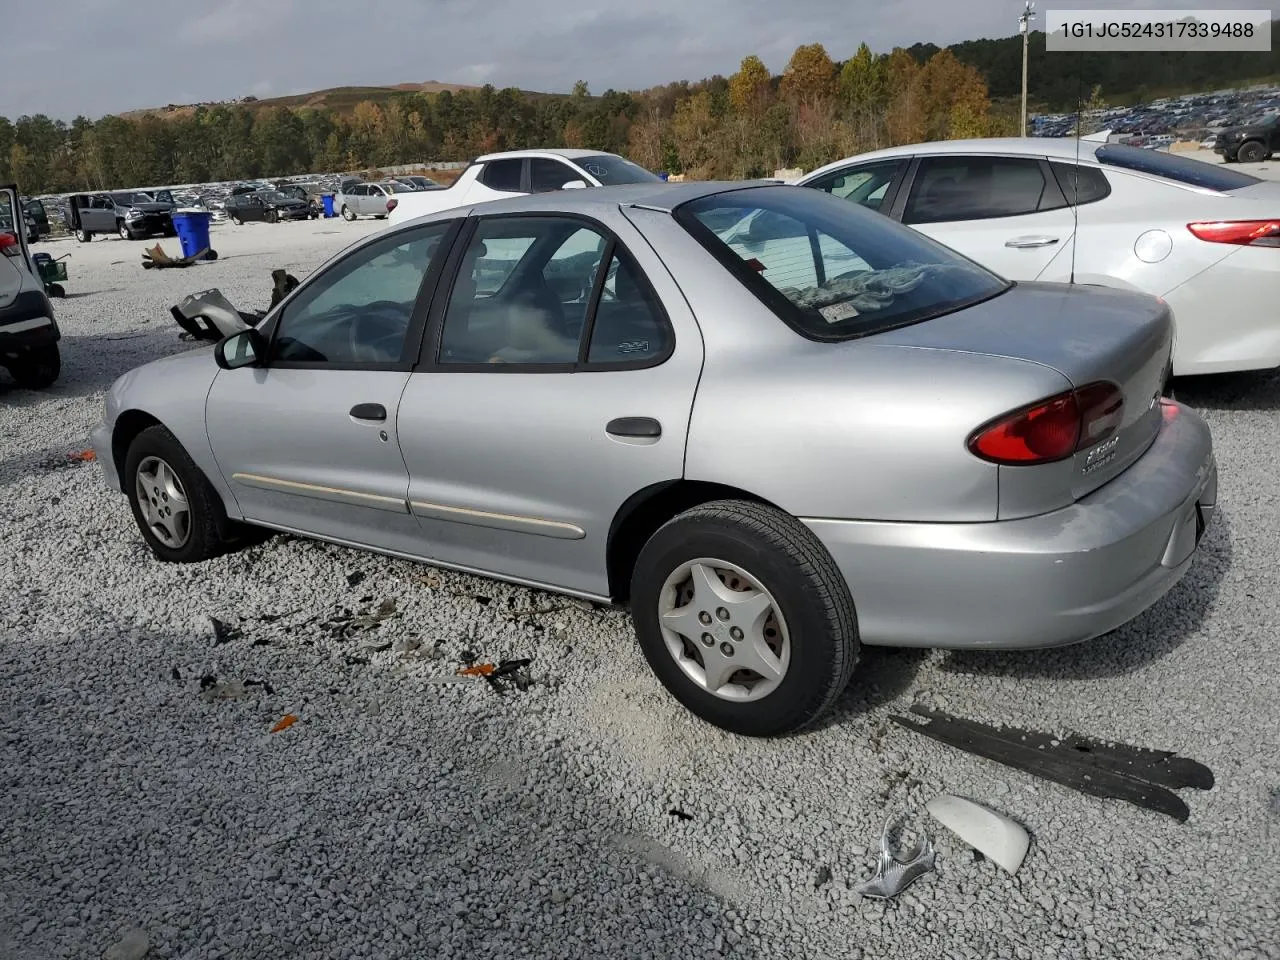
(1195, 173)
(833, 270)
(1080, 184)
(611, 169)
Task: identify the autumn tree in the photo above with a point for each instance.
(810, 75)
(751, 88)
(693, 130)
(906, 120)
(863, 94)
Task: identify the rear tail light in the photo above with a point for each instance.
(392, 204)
(1052, 429)
(9, 245)
(1245, 233)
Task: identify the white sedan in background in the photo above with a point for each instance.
(1206, 238)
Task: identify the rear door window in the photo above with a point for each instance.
(546, 175)
(502, 175)
(979, 188)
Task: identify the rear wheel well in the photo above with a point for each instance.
(647, 510)
(128, 425)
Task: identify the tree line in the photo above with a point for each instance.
(745, 125)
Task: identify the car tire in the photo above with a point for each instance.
(273, 216)
(347, 215)
(56, 290)
(808, 624)
(84, 236)
(123, 231)
(196, 531)
(1251, 152)
(37, 368)
(237, 221)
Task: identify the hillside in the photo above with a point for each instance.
(340, 100)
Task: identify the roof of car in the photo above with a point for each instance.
(567, 153)
(1058, 147)
(656, 196)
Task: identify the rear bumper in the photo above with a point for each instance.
(28, 322)
(1044, 581)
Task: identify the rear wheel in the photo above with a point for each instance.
(347, 214)
(36, 368)
(176, 509)
(744, 617)
(84, 236)
(1252, 152)
(237, 221)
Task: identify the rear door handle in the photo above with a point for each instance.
(369, 411)
(1022, 243)
(646, 427)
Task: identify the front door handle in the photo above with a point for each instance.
(369, 411)
(1022, 243)
(645, 427)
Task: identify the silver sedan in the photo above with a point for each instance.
(772, 423)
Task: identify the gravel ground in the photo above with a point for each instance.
(402, 816)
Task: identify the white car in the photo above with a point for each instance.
(1202, 236)
(29, 333)
(520, 172)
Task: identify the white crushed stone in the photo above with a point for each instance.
(410, 813)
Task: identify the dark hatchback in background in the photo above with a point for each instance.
(270, 206)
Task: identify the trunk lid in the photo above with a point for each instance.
(1086, 333)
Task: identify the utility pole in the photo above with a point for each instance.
(1024, 27)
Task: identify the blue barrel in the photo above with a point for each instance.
(193, 230)
(327, 200)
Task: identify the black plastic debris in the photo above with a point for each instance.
(355, 578)
(515, 672)
(679, 814)
(177, 674)
(1145, 778)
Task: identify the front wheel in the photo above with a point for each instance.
(124, 231)
(237, 221)
(272, 216)
(84, 236)
(174, 505)
(1252, 152)
(347, 214)
(744, 617)
(37, 368)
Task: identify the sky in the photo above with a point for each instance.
(104, 56)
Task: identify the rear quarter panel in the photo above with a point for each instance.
(856, 430)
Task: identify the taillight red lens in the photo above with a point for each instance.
(1052, 429)
(1247, 233)
(392, 204)
(9, 245)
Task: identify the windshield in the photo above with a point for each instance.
(128, 199)
(610, 169)
(1195, 173)
(831, 269)
(398, 187)
(274, 196)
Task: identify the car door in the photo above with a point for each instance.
(873, 184)
(557, 382)
(101, 215)
(361, 193)
(505, 177)
(309, 441)
(1007, 213)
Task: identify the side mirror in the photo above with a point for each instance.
(248, 348)
(575, 185)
